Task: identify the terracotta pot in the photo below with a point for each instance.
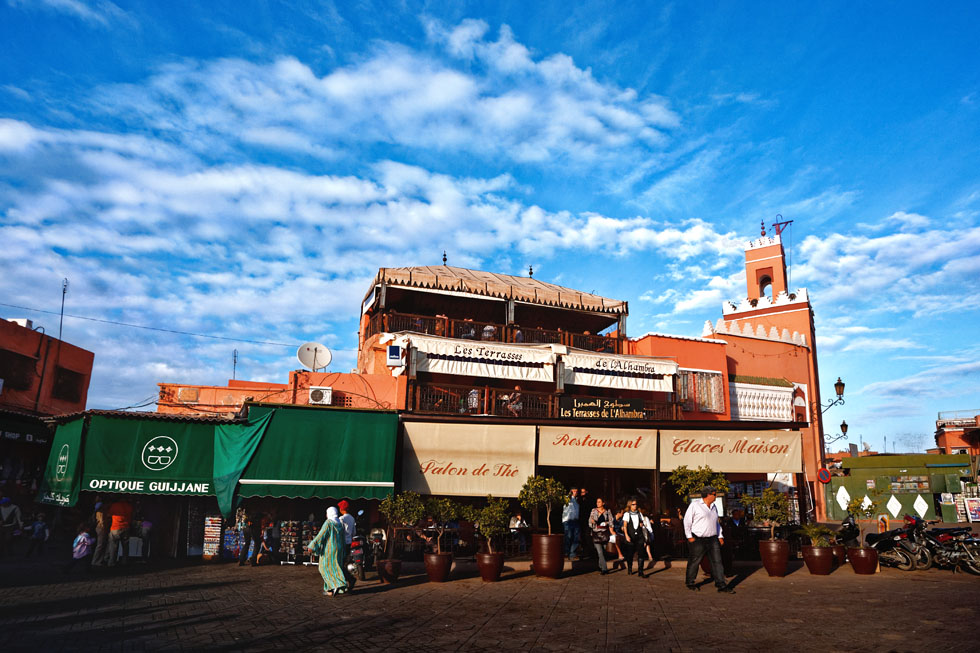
(819, 559)
(547, 555)
(775, 555)
(389, 570)
(438, 566)
(863, 560)
(840, 554)
(490, 564)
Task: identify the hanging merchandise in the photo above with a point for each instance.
(290, 547)
(212, 537)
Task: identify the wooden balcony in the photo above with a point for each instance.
(449, 399)
(489, 331)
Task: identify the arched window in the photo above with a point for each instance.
(765, 287)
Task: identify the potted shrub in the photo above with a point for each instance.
(438, 565)
(819, 555)
(491, 521)
(402, 509)
(864, 559)
(688, 483)
(546, 550)
(771, 507)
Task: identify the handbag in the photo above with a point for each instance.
(600, 534)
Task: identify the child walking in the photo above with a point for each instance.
(39, 535)
(81, 549)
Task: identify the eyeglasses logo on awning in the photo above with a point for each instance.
(159, 453)
(61, 467)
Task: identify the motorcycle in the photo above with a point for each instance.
(356, 561)
(949, 547)
(377, 539)
(892, 552)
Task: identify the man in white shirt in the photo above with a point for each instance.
(703, 531)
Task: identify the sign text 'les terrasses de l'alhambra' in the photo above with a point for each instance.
(600, 408)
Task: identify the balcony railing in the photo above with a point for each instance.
(489, 331)
(450, 399)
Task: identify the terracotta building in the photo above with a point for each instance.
(39, 376)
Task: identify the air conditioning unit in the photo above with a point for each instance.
(321, 396)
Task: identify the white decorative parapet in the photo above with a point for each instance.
(751, 402)
(748, 331)
(781, 299)
(764, 241)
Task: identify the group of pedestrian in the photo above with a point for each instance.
(630, 531)
(332, 547)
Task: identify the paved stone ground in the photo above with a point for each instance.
(226, 607)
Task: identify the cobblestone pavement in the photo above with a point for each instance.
(227, 607)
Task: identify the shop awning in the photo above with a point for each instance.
(493, 360)
(732, 451)
(62, 479)
(471, 460)
(148, 456)
(322, 452)
(568, 446)
(619, 372)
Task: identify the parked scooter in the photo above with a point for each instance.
(356, 560)
(377, 541)
(893, 550)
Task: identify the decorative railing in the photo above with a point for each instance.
(466, 329)
(452, 399)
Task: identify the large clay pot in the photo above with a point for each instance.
(863, 560)
(438, 566)
(775, 555)
(547, 555)
(490, 564)
(819, 559)
(389, 570)
(840, 554)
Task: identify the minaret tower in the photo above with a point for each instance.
(770, 308)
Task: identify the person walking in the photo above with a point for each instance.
(704, 537)
(251, 538)
(40, 533)
(570, 522)
(81, 549)
(634, 531)
(10, 523)
(600, 524)
(102, 522)
(350, 529)
(122, 517)
(328, 545)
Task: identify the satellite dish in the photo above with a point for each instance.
(314, 356)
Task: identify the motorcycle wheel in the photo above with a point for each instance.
(923, 558)
(897, 558)
(973, 566)
(359, 572)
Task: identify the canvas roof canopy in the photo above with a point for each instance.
(499, 286)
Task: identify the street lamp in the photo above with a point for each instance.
(839, 389)
(830, 439)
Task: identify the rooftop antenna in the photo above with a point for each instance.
(314, 356)
(444, 259)
(530, 272)
(64, 291)
(234, 364)
(778, 227)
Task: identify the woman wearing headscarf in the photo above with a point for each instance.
(329, 546)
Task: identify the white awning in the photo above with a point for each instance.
(483, 359)
(571, 446)
(732, 451)
(620, 372)
(471, 460)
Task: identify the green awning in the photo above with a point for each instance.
(322, 452)
(143, 456)
(60, 484)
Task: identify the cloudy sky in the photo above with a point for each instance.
(242, 170)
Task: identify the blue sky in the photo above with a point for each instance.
(242, 169)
